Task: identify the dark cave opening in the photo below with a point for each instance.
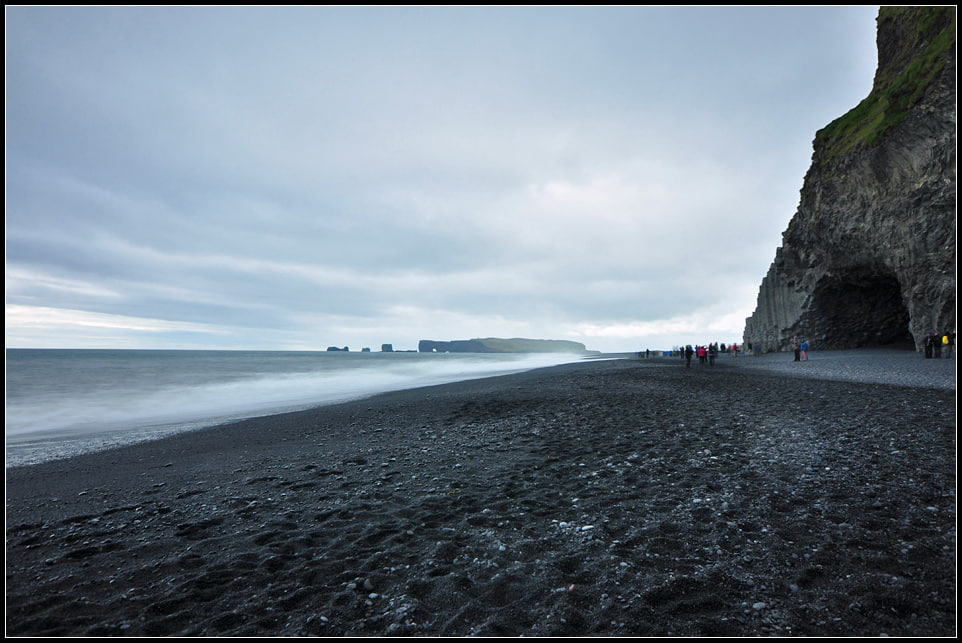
(861, 308)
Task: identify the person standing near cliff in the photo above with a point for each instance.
(803, 347)
(796, 348)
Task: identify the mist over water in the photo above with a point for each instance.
(64, 402)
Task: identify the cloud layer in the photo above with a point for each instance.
(295, 178)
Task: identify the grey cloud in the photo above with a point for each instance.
(277, 169)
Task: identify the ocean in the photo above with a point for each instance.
(61, 403)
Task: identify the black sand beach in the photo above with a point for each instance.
(625, 497)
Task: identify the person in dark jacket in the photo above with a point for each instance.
(929, 344)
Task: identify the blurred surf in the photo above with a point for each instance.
(64, 402)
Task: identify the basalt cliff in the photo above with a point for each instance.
(869, 257)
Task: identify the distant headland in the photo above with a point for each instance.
(497, 345)
(487, 345)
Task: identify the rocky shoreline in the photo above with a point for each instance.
(620, 497)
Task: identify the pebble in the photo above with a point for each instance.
(878, 366)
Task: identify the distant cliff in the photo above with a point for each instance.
(869, 257)
(496, 345)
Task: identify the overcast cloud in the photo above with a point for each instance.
(296, 178)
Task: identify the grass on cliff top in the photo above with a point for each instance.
(893, 98)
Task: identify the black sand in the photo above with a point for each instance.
(602, 498)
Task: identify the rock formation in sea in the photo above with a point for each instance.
(869, 257)
(497, 345)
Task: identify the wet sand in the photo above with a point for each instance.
(624, 497)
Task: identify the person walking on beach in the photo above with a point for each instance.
(797, 348)
(803, 347)
(712, 352)
(688, 352)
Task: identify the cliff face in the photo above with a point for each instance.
(869, 257)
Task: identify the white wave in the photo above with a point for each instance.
(136, 409)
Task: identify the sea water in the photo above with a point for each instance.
(61, 403)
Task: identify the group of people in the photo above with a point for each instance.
(706, 353)
(800, 348)
(935, 344)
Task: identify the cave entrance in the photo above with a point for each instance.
(861, 307)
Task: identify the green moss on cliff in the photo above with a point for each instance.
(929, 45)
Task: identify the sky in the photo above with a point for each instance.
(295, 178)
